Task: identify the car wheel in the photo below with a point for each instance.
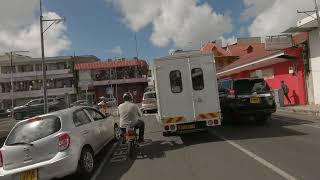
(117, 132)
(86, 163)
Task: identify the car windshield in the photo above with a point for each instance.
(250, 86)
(34, 129)
(150, 96)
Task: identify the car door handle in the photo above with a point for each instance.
(84, 132)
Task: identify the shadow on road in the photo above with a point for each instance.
(278, 126)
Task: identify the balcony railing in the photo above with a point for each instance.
(30, 75)
(107, 82)
(37, 93)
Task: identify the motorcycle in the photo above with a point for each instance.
(130, 138)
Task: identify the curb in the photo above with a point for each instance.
(300, 111)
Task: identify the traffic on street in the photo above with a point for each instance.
(153, 90)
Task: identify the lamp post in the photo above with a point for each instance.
(11, 54)
(44, 69)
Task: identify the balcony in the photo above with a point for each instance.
(84, 84)
(25, 76)
(37, 93)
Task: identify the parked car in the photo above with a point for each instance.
(36, 107)
(248, 97)
(149, 102)
(56, 144)
(4, 113)
(80, 103)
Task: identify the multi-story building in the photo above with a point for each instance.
(27, 78)
(112, 78)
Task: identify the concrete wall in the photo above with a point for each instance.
(314, 40)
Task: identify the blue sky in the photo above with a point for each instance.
(95, 27)
(106, 28)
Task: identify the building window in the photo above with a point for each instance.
(176, 81)
(264, 73)
(52, 66)
(38, 67)
(6, 69)
(25, 68)
(197, 79)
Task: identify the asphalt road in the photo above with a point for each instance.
(287, 147)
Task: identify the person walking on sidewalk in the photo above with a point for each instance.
(285, 90)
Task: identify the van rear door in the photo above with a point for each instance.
(205, 96)
(173, 91)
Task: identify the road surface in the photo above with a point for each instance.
(286, 148)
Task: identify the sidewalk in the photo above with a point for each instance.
(306, 109)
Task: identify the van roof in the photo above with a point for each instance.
(183, 54)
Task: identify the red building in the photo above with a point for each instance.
(112, 78)
(273, 65)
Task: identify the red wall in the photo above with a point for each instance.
(296, 83)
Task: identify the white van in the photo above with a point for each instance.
(187, 92)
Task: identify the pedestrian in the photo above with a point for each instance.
(285, 90)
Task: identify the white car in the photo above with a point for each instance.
(149, 102)
(55, 145)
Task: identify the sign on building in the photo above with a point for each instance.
(278, 42)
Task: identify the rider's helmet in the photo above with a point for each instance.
(127, 97)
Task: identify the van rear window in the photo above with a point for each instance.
(197, 79)
(33, 130)
(176, 81)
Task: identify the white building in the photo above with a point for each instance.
(27, 78)
(310, 25)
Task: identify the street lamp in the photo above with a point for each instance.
(44, 69)
(10, 54)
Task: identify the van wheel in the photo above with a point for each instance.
(166, 134)
(86, 163)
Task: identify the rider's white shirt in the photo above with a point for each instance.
(129, 114)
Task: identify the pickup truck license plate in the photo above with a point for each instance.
(255, 100)
(29, 175)
(187, 126)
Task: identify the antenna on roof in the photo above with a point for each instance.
(135, 38)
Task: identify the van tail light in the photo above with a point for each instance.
(231, 93)
(1, 159)
(64, 142)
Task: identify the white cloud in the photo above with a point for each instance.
(182, 22)
(19, 29)
(116, 50)
(254, 7)
(228, 41)
(276, 17)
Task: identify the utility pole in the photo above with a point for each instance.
(11, 54)
(44, 67)
(316, 11)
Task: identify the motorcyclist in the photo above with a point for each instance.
(129, 114)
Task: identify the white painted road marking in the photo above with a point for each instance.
(104, 162)
(259, 159)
